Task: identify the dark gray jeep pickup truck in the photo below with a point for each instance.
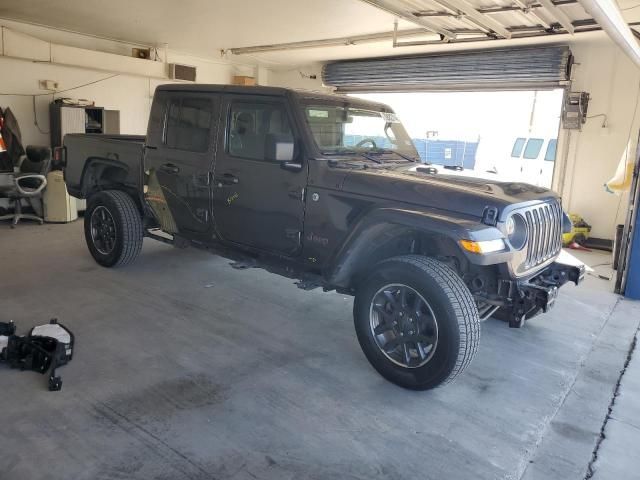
(327, 190)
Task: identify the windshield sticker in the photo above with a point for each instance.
(318, 113)
(389, 117)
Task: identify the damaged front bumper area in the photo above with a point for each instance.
(526, 299)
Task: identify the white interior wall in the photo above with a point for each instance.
(130, 91)
(593, 154)
(129, 94)
(299, 78)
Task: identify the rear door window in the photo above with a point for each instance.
(550, 154)
(518, 145)
(532, 150)
(189, 124)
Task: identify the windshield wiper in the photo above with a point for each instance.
(352, 152)
(332, 162)
(339, 152)
(387, 150)
(368, 156)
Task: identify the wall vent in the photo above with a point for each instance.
(182, 72)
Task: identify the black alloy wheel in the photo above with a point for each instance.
(403, 325)
(103, 230)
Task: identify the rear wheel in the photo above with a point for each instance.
(416, 322)
(113, 228)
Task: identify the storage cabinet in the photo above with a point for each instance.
(81, 119)
(111, 122)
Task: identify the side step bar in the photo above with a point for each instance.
(159, 235)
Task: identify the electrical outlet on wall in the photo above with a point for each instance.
(48, 84)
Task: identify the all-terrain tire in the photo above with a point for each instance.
(129, 232)
(452, 305)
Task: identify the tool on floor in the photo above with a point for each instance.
(43, 349)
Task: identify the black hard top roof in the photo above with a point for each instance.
(304, 95)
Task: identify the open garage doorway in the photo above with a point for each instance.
(501, 135)
(502, 109)
(513, 136)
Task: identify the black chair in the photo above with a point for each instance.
(27, 182)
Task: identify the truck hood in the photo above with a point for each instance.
(466, 195)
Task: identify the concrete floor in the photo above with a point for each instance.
(617, 455)
(188, 369)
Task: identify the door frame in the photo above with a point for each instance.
(210, 154)
(226, 101)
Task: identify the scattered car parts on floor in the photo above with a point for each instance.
(43, 349)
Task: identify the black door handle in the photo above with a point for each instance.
(170, 168)
(291, 166)
(226, 179)
(201, 179)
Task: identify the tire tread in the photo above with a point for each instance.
(462, 303)
(131, 225)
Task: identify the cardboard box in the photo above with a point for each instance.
(243, 80)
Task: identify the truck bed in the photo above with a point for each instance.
(90, 152)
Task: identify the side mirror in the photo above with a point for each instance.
(282, 148)
(279, 148)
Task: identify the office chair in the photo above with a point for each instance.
(27, 183)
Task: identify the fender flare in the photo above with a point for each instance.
(93, 164)
(385, 224)
(91, 172)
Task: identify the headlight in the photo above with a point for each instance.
(483, 246)
(511, 226)
(516, 230)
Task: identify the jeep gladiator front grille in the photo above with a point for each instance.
(544, 238)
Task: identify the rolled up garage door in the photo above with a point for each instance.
(527, 68)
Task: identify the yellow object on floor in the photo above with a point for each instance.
(580, 230)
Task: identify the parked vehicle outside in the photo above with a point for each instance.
(527, 158)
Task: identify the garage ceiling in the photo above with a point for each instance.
(205, 27)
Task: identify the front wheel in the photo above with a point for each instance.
(416, 321)
(113, 228)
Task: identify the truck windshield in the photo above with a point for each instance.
(339, 129)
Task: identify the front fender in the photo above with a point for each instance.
(383, 225)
